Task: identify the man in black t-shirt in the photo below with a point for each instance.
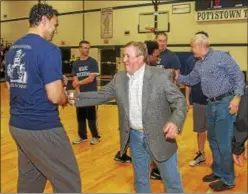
(84, 71)
(199, 113)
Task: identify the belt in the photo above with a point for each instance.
(140, 130)
(218, 98)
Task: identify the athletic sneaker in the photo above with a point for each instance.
(199, 158)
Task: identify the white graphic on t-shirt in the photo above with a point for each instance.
(17, 71)
(83, 71)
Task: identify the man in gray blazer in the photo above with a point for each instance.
(152, 111)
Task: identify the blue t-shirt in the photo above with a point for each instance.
(196, 92)
(169, 60)
(31, 63)
(82, 69)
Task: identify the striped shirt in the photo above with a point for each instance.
(135, 98)
(218, 73)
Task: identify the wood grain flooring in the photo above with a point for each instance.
(99, 172)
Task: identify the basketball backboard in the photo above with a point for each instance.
(154, 20)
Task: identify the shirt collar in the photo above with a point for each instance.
(138, 73)
(210, 51)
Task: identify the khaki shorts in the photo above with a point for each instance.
(199, 117)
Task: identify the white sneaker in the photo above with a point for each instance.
(79, 140)
(200, 157)
(94, 141)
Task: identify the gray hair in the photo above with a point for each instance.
(140, 47)
(201, 39)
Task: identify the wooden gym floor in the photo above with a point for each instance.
(99, 172)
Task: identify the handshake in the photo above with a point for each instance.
(71, 97)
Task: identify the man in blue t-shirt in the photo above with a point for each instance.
(168, 59)
(84, 71)
(34, 78)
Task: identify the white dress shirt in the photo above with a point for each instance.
(135, 98)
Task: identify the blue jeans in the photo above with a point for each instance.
(141, 159)
(220, 125)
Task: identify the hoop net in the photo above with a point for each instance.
(151, 29)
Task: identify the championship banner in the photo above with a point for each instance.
(106, 23)
(222, 14)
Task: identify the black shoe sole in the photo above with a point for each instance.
(209, 181)
(122, 161)
(222, 189)
(216, 178)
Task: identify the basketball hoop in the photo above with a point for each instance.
(151, 29)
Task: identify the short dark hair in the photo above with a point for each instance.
(39, 10)
(83, 42)
(161, 33)
(151, 46)
(202, 32)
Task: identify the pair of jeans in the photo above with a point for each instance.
(141, 159)
(220, 124)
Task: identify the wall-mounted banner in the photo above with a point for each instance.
(106, 23)
(222, 14)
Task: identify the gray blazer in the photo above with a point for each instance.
(162, 102)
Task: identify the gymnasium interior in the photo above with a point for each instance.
(108, 26)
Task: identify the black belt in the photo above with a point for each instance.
(218, 98)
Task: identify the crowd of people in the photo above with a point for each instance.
(151, 108)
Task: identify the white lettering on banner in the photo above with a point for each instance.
(225, 14)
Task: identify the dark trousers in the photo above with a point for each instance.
(88, 113)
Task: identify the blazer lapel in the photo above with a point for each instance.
(126, 94)
(146, 90)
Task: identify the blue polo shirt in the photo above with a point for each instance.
(31, 63)
(196, 92)
(169, 60)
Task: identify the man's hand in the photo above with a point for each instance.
(170, 130)
(234, 105)
(189, 106)
(237, 158)
(176, 76)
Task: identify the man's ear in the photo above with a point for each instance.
(43, 20)
(141, 59)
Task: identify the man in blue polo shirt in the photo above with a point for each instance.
(168, 59)
(34, 77)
